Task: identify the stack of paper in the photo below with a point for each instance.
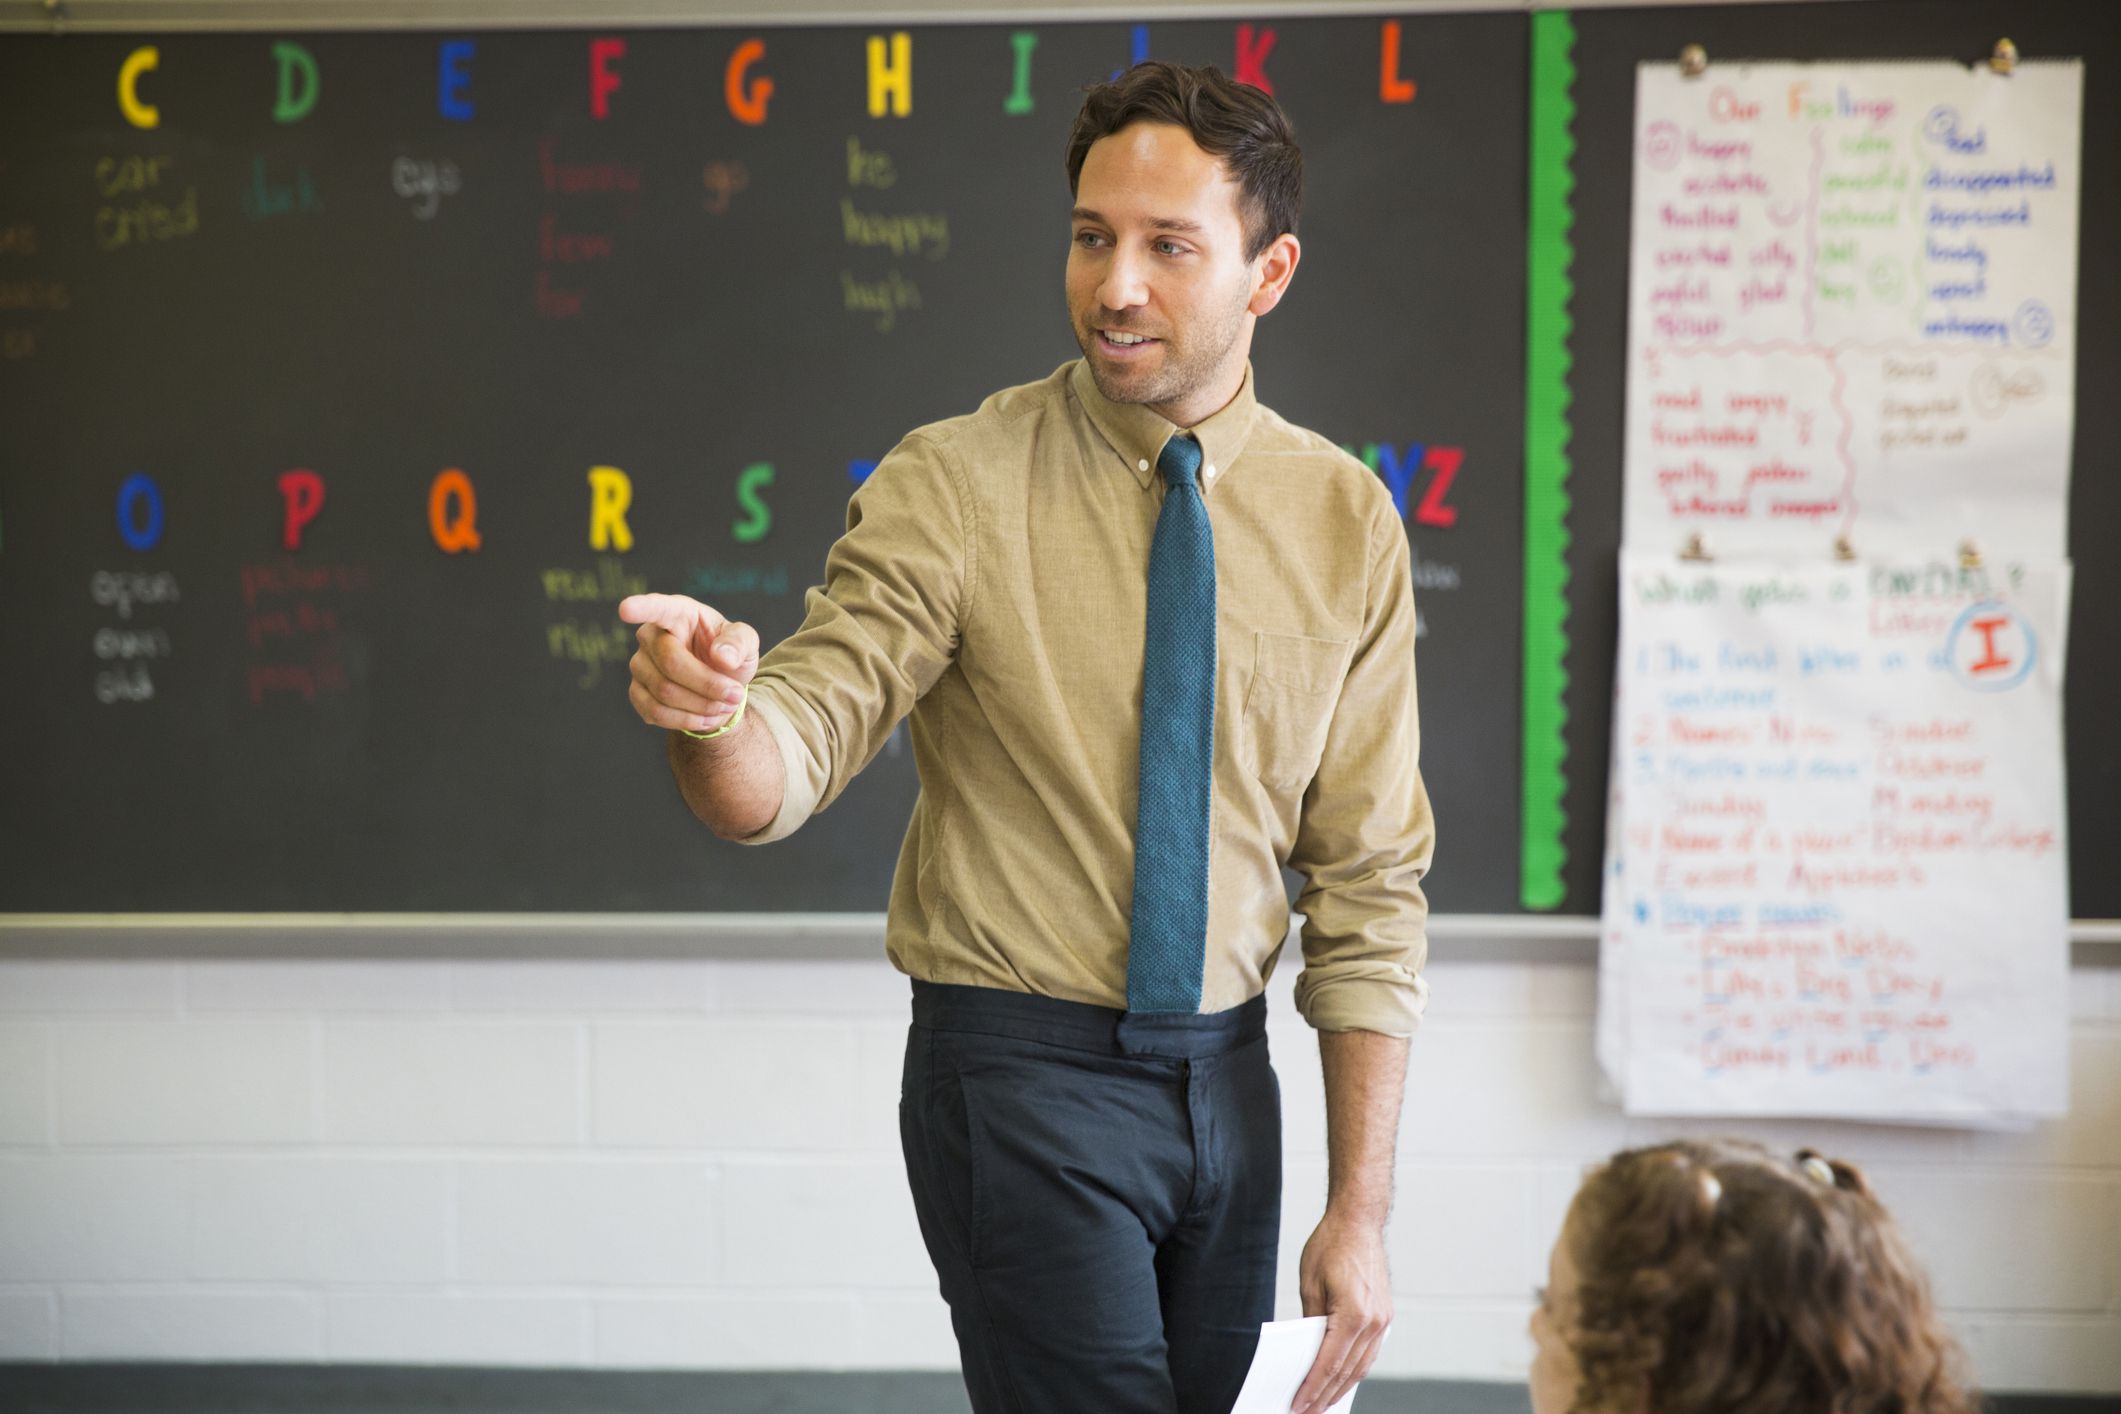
(1285, 1355)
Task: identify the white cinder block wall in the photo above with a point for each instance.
(695, 1164)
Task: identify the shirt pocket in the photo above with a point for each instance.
(1289, 704)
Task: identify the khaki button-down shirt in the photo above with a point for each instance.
(993, 582)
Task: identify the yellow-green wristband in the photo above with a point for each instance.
(741, 704)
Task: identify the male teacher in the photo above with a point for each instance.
(1156, 643)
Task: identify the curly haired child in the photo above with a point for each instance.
(1717, 1277)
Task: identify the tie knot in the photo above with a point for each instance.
(1180, 460)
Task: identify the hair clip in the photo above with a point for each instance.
(1818, 1168)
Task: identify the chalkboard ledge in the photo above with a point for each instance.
(778, 936)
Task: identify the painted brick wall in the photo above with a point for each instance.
(695, 1164)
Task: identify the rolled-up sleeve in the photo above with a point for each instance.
(875, 635)
(1366, 834)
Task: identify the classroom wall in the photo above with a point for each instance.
(695, 1164)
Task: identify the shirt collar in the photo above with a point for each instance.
(1138, 435)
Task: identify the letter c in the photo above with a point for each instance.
(140, 115)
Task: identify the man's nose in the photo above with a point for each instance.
(1123, 286)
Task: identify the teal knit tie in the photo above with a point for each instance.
(1168, 939)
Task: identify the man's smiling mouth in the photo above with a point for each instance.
(1123, 341)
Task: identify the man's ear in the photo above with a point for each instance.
(1275, 267)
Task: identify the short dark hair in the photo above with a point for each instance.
(1234, 121)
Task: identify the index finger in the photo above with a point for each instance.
(673, 613)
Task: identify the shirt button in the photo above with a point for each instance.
(1142, 465)
(1211, 473)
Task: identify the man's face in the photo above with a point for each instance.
(1158, 283)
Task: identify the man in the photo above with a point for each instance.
(1156, 643)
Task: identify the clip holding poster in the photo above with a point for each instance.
(1844, 549)
(1693, 61)
(1969, 555)
(1696, 549)
(2004, 57)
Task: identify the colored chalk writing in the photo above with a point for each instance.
(425, 182)
(30, 296)
(298, 625)
(127, 652)
(578, 232)
(882, 297)
(587, 633)
(142, 202)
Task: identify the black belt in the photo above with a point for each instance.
(993, 1011)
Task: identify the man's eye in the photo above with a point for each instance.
(1170, 248)
(1086, 237)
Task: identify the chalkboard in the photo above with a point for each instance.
(1609, 45)
(444, 261)
(447, 261)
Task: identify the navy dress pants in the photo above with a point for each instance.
(1100, 1193)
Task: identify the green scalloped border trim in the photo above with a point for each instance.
(1549, 252)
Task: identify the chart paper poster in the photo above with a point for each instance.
(1852, 309)
(1837, 885)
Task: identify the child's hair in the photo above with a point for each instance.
(1720, 1278)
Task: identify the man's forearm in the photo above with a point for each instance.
(1366, 1075)
(733, 783)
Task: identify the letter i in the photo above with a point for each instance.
(1018, 102)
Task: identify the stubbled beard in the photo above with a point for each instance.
(1186, 365)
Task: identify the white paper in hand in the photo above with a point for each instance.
(1285, 1355)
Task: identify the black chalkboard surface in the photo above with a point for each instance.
(245, 670)
(446, 261)
(1609, 45)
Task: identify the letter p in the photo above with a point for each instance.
(303, 492)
